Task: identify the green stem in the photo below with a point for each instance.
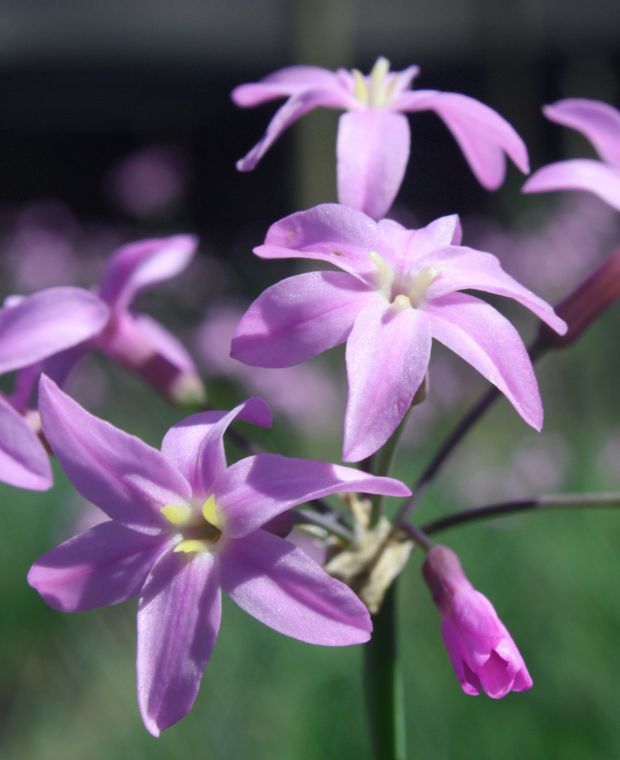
(383, 685)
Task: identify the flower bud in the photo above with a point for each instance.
(483, 654)
(586, 303)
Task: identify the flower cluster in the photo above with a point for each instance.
(184, 525)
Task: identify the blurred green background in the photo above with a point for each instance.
(82, 91)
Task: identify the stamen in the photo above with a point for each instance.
(402, 302)
(191, 545)
(384, 277)
(360, 90)
(177, 514)
(377, 90)
(421, 284)
(210, 512)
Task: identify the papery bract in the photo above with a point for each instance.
(31, 330)
(398, 291)
(600, 124)
(373, 136)
(482, 652)
(183, 525)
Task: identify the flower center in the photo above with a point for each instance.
(404, 289)
(199, 529)
(377, 89)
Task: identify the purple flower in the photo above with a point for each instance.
(183, 525)
(373, 136)
(600, 124)
(483, 654)
(399, 289)
(137, 341)
(31, 330)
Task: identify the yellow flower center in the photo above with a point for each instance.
(199, 530)
(405, 290)
(377, 89)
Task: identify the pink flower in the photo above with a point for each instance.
(600, 124)
(373, 136)
(483, 654)
(32, 330)
(136, 341)
(184, 525)
(399, 290)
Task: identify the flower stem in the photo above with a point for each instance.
(536, 350)
(383, 684)
(546, 502)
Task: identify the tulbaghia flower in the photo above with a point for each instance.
(600, 124)
(31, 330)
(399, 289)
(483, 654)
(373, 136)
(183, 526)
(137, 341)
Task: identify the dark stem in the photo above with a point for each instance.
(538, 503)
(536, 350)
(383, 684)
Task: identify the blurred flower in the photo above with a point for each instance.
(373, 136)
(33, 329)
(399, 289)
(149, 181)
(134, 340)
(183, 525)
(483, 654)
(600, 124)
(314, 409)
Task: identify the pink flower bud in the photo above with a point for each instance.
(483, 654)
(586, 303)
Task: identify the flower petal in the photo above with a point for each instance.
(278, 584)
(23, 460)
(195, 445)
(254, 490)
(579, 174)
(387, 357)
(467, 269)
(482, 134)
(138, 265)
(104, 566)
(178, 622)
(372, 151)
(127, 479)
(284, 83)
(48, 322)
(597, 120)
(298, 318)
(294, 108)
(329, 232)
(483, 337)
(165, 343)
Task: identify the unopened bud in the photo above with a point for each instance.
(586, 303)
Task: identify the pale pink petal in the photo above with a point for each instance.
(23, 460)
(299, 318)
(48, 322)
(294, 108)
(195, 445)
(462, 268)
(178, 622)
(254, 490)
(387, 356)
(165, 343)
(482, 134)
(329, 232)
(106, 565)
(598, 121)
(372, 151)
(578, 174)
(483, 337)
(284, 83)
(277, 583)
(118, 472)
(138, 265)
